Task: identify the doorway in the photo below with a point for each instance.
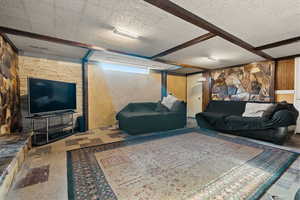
(194, 95)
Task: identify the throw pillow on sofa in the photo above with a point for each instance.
(268, 114)
(169, 101)
(256, 109)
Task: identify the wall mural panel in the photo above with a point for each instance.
(9, 89)
(252, 82)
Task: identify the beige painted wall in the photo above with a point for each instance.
(177, 86)
(51, 70)
(109, 91)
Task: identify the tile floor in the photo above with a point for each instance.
(44, 174)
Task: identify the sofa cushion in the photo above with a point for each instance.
(268, 114)
(178, 106)
(243, 123)
(139, 114)
(141, 107)
(256, 109)
(214, 119)
(161, 108)
(228, 107)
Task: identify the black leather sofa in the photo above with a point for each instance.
(226, 117)
(137, 118)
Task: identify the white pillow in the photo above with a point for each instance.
(169, 101)
(256, 109)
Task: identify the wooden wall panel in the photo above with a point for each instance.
(176, 85)
(285, 75)
(206, 90)
(284, 97)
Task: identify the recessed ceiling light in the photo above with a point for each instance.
(125, 33)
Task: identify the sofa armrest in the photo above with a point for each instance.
(284, 118)
(125, 109)
(137, 107)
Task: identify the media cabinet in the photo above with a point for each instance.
(44, 135)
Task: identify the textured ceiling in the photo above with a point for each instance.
(47, 48)
(257, 22)
(92, 22)
(130, 60)
(186, 70)
(224, 53)
(286, 50)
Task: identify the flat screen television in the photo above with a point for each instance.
(50, 96)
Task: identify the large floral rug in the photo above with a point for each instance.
(187, 164)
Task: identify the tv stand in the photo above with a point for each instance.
(41, 134)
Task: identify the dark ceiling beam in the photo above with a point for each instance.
(179, 64)
(186, 15)
(63, 41)
(279, 43)
(228, 67)
(193, 73)
(67, 42)
(191, 66)
(9, 42)
(48, 38)
(185, 45)
(176, 73)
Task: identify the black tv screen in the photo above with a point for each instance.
(50, 96)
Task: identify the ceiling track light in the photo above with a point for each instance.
(125, 33)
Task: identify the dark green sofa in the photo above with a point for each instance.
(137, 118)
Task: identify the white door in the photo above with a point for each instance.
(194, 95)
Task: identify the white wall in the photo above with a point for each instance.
(297, 90)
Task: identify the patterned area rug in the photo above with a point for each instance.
(175, 165)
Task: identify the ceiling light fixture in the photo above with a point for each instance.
(212, 59)
(125, 33)
(207, 59)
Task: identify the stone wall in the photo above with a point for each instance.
(252, 82)
(51, 70)
(9, 90)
